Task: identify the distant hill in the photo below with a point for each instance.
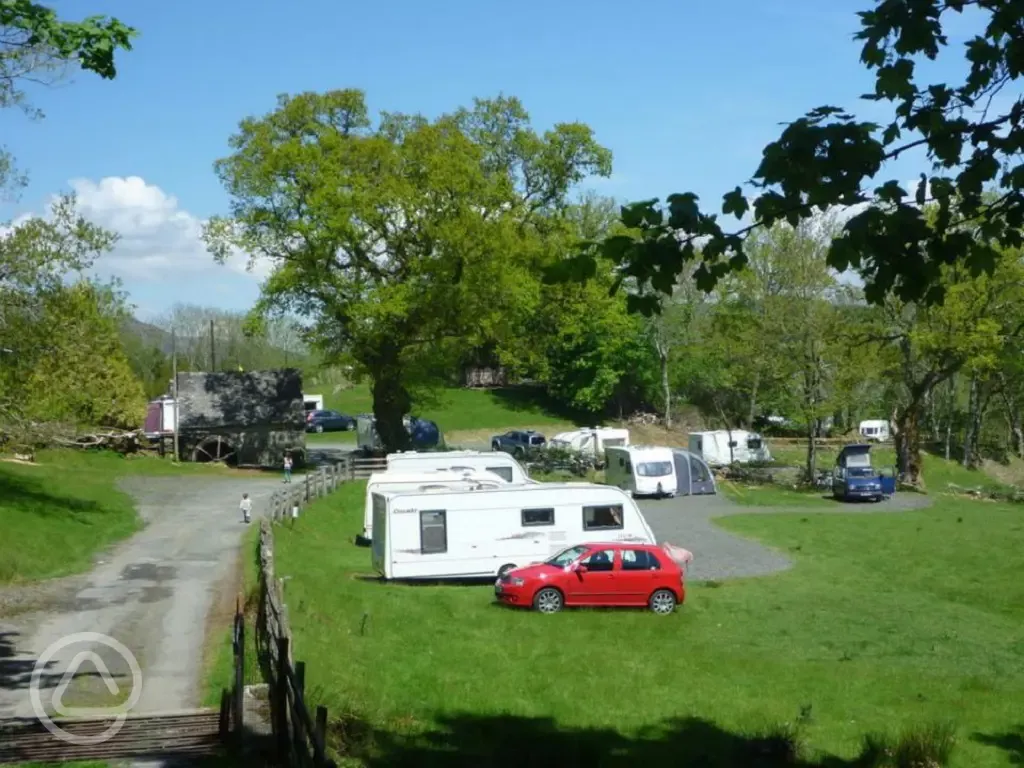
(151, 335)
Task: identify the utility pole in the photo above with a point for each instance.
(174, 387)
(213, 348)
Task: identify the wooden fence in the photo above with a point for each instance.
(301, 737)
(306, 488)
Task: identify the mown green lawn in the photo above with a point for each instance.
(457, 409)
(886, 621)
(57, 514)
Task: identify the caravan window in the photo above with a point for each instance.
(733, 443)
(604, 517)
(698, 471)
(654, 469)
(433, 531)
(503, 472)
(754, 444)
(545, 516)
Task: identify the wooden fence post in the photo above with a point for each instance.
(239, 671)
(298, 726)
(320, 737)
(281, 699)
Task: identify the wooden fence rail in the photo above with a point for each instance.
(288, 502)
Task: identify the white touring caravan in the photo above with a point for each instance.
(498, 462)
(723, 447)
(593, 441)
(427, 480)
(312, 402)
(643, 470)
(875, 429)
(452, 534)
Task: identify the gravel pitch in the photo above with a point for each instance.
(687, 521)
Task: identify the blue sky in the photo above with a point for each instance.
(685, 94)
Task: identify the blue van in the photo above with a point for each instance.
(855, 478)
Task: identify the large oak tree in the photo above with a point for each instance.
(397, 236)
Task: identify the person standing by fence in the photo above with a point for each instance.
(287, 467)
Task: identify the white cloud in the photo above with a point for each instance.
(159, 239)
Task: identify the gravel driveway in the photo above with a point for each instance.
(687, 521)
(152, 593)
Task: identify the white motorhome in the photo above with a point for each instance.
(722, 447)
(643, 470)
(498, 462)
(455, 534)
(593, 441)
(425, 480)
(875, 429)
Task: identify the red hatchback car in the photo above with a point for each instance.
(597, 575)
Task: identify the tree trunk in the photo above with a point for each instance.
(933, 421)
(973, 424)
(949, 437)
(391, 402)
(666, 389)
(908, 445)
(812, 456)
(753, 399)
(1016, 427)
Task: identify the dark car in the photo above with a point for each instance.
(329, 421)
(518, 442)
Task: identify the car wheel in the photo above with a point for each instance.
(505, 569)
(548, 600)
(319, 427)
(662, 602)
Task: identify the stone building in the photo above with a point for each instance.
(247, 419)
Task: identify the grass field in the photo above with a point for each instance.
(887, 621)
(56, 514)
(462, 414)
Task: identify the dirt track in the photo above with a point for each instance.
(151, 593)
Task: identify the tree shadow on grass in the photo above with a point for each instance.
(1011, 742)
(536, 399)
(31, 495)
(508, 741)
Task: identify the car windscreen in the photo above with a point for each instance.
(566, 556)
(536, 440)
(654, 468)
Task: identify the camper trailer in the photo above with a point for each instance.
(693, 475)
(312, 403)
(159, 418)
(875, 429)
(498, 462)
(641, 469)
(723, 447)
(455, 534)
(593, 441)
(421, 481)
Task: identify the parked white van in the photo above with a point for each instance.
(456, 534)
(498, 462)
(427, 480)
(643, 470)
(875, 429)
(722, 447)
